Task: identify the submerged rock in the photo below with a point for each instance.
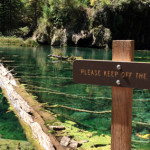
(65, 141)
(81, 115)
(74, 144)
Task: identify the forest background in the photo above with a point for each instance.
(88, 23)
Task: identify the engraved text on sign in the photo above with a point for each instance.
(133, 75)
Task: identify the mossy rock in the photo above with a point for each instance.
(102, 36)
(42, 34)
(58, 37)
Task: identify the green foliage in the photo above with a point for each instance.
(99, 3)
(18, 41)
(59, 12)
(23, 31)
(11, 41)
(34, 12)
(18, 14)
(1, 34)
(30, 42)
(10, 15)
(65, 13)
(15, 14)
(93, 137)
(23, 17)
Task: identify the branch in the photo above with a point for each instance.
(80, 110)
(141, 123)
(144, 142)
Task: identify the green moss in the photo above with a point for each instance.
(14, 144)
(52, 122)
(9, 124)
(95, 140)
(30, 136)
(98, 31)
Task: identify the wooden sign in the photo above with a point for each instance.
(111, 73)
(121, 74)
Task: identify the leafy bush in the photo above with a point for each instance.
(30, 42)
(63, 12)
(99, 3)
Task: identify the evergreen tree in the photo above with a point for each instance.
(35, 11)
(11, 15)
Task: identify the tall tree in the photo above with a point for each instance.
(35, 9)
(11, 15)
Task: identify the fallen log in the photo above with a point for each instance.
(141, 124)
(79, 110)
(58, 57)
(26, 113)
(140, 142)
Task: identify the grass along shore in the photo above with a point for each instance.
(15, 41)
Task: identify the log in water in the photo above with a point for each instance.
(24, 111)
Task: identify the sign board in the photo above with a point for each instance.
(118, 73)
(111, 73)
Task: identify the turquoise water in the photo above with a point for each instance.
(51, 82)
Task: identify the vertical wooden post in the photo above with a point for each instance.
(121, 125)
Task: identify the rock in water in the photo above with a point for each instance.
(74, 144)
(65, 141)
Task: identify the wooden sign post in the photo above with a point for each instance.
(121, 126)
(122, 75)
